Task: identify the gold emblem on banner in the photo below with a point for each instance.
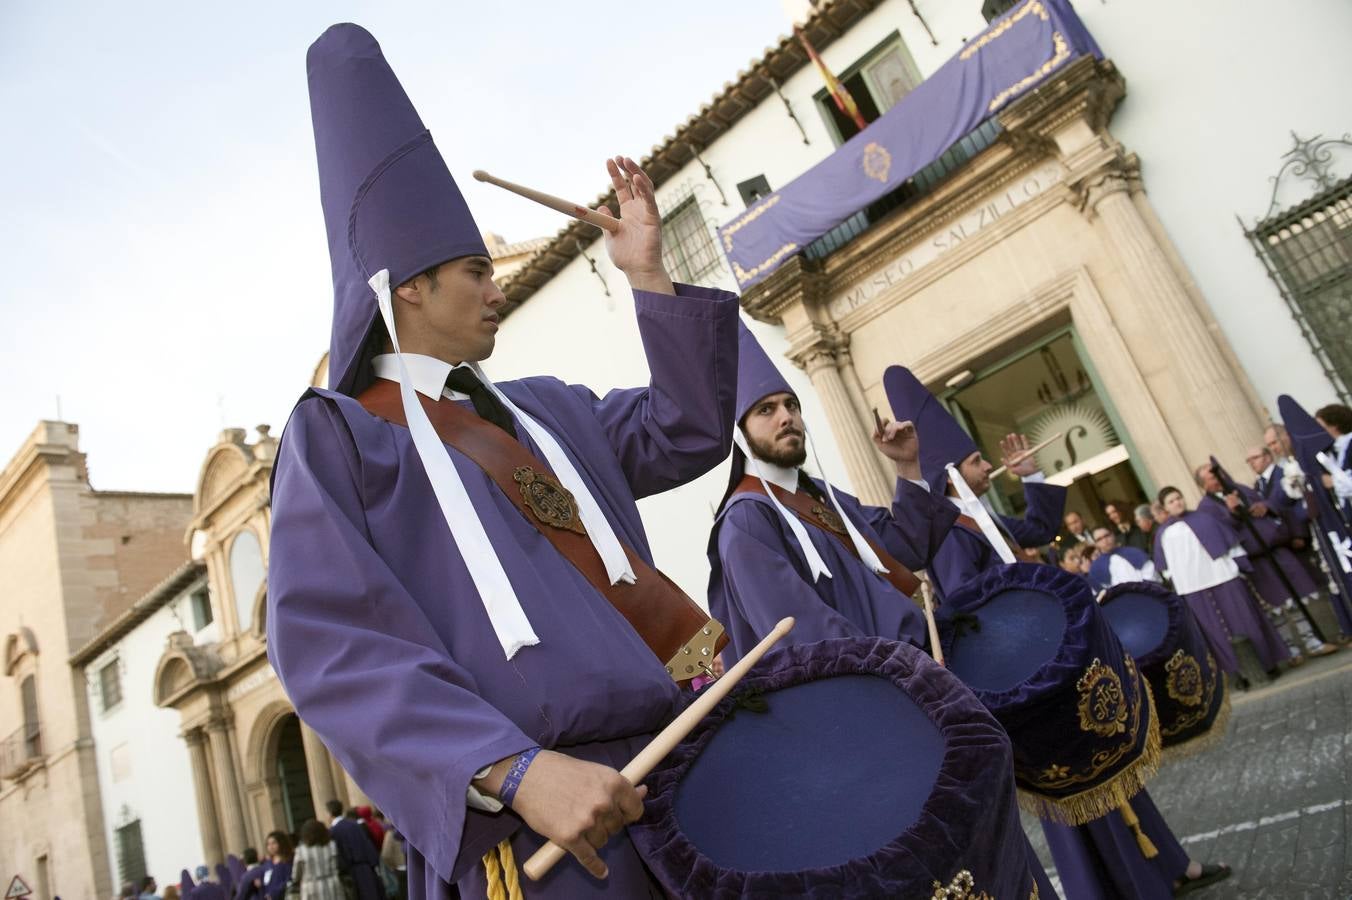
(1184, 682)
(551, 502)
(877, 161)
(829, 518)
(1103, 706)
(962, 887)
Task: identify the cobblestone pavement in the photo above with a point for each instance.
(1274, 799)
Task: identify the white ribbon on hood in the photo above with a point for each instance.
(973, 507)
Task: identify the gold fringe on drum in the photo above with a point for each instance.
(1098, 801)
(1203, 742)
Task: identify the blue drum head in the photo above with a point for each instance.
(1021, 630)
(1140, 620)
(830, 770)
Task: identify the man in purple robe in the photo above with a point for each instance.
(471, 679)
(1202, 555)
(359, 857)
(768, 561)
(1100, 860)
(1337, 421)
(1277, 575)
(954, 467)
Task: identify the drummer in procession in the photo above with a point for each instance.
(786, 544)
(1100, 860)
(501, 691)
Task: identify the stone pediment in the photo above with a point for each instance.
(184, 667)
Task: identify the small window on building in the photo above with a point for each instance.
(993, 9)
(131, 857)
(201, 609)
(246, 576)
(753, 189)
(687, 245)
(110, 685)
(877, 82)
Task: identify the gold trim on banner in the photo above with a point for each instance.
(1090, 804)
(747, 218)
(962, 887)
(1061, 53)
(1034, 7)
(743, 275)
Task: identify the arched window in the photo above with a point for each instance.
(246, 575)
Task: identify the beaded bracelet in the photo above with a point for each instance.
(512, 780)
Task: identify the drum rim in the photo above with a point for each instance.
(1175, 610)
(1048, 579)
(968, 730)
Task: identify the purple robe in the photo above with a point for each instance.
(359, 857)
(964, 554)
(1228, 609)
(1102, 861)
(1267, 554)
(208, 890)
(371, 607)
(758, 574)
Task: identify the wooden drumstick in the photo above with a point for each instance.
(557, 204)
(926, 598)
(1025, 454)
(544, 859)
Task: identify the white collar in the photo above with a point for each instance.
(1267, 473)
(1340, 443)
(427, 373)
(779, 476)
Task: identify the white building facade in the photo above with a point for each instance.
(1110, 288)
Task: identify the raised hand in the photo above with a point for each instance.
(1015, 456)
(577, 805)
(899, 442)
(636, 247)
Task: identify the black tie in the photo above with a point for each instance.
(1262, 485)
(488, 406)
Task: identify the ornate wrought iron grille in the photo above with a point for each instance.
(1307, 251)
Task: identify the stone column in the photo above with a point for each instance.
(227, 786)
(1196, 389)
(355, 795)
(317, 765)
(206, 803)
(861, 460)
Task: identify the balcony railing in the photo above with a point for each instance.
(21, 751)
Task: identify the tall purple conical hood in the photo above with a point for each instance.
(389, 200)
(1308, 437)
(942, 439)
(757, 376)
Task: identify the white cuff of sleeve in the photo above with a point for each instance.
(1036, 478)
(476, 800)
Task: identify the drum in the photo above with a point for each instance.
(1032, 644)
(845, 768)
(1157, 628)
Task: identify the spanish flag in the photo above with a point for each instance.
(839, 93)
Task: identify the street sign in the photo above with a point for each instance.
(17, 888)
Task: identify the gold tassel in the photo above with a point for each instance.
(503, 881)
(1129, 816)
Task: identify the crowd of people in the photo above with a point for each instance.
(1266, 583)
(359, 855)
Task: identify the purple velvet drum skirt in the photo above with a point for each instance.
(1032, 644)
(844, 768)
(1156, 627)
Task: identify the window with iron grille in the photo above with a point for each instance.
(131, 856)
(110, 685)
(688, 247)
(1308, 252)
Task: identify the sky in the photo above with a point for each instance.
(165, 268)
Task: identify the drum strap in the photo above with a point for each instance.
(675, 629)
(822, 516)
(971, 525)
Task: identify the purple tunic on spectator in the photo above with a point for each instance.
(359, 856)
(371, 607)
(1267, 549)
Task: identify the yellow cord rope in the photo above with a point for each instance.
(500, 872)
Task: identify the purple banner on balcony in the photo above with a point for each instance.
(1016, 53)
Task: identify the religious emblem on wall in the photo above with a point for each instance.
(1085, 429)
(877, 161)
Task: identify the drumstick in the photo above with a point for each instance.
(1025, 454)
(926, 593)
(544, 859)
(555, 203)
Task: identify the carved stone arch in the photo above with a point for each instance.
(182, 667)
(262, 739)
(17, 645)
(173, 674)
(225, 465)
